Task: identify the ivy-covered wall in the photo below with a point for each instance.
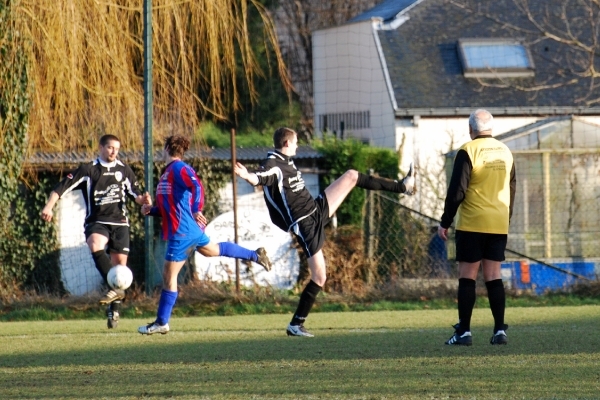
(17, 252)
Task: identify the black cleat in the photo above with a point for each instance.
(500, 336)
(463, 340)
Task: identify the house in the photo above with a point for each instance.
(407, 73)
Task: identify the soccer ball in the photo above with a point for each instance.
(120, 277)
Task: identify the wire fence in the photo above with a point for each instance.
(554, 225)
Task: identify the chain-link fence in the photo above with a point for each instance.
(552, 239)
(403, 242)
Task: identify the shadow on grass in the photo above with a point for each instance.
(188, 346)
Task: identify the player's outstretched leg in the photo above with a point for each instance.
(406, 185)
(259, 256)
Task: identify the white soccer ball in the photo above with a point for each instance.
(120, 277)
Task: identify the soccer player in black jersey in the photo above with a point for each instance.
(105, 183)
(293, 209)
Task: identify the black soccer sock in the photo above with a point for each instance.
(102, 263)
(307, 299)
(497, 298)
(115, 306)
(370, 182)
(466, 302)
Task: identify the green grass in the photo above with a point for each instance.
(552, 353)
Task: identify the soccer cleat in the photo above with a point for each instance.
(112, 295)
(113, 318)
(500, 336)
(463, 340)
(263, 259)
(298, 330)
(409, 181)
(153, 328)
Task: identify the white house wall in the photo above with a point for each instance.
(348, 78)
(78, 273)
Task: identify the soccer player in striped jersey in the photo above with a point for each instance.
(179, 201)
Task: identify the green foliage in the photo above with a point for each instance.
(268, 105)
(341, 155)
(15, 250)
(216, 137)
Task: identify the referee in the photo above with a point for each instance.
(481, 195)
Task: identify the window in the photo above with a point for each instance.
(340, 121)
(495, 58)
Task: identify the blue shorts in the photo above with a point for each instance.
(178, 249)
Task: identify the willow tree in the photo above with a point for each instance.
(87, 67)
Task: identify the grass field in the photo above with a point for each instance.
(553, 352)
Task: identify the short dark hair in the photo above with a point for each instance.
(281, 136)
(177, 145)
(107, 138)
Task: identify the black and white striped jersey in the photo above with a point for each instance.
(104, 187)
(286, 195)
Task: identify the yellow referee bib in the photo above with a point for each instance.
(487, 200)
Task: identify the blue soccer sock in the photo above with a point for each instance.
(165, 306)
(228, 249)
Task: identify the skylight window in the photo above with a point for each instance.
(495, 58)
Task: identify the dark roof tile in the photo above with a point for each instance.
(426, 73)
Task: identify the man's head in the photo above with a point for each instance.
(481, 122)
(286, 141)
(177, 145)
(109, 148)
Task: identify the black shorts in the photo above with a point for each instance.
(311, 230)
(118, 236)
(475, 246)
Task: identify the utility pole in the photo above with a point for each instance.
(148, 146)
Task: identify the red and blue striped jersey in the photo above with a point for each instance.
(179, 195)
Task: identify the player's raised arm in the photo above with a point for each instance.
(243, 173)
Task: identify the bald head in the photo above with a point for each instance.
(481, 121)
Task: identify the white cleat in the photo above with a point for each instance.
(410, 180)
(153, 328)
(298, 330)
